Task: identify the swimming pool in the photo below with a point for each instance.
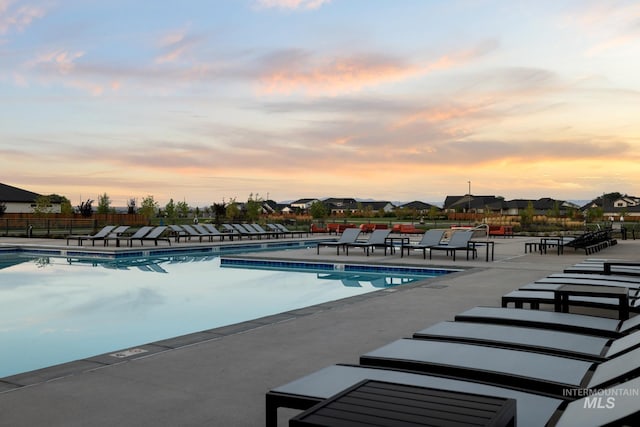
(57, 309)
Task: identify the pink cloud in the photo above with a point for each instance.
(296, 71)
(334, 76)
(609, 25)
(17, 18)
(174, 46)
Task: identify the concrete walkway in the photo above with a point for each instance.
(220, 378)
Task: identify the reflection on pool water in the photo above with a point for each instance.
(56, 310)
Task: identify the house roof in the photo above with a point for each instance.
(375, 205)
(12, 194)
(340, 201)
(475, 202)
(301, 201)
(609, 205)
(418, 205)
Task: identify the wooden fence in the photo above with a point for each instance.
(58, 225)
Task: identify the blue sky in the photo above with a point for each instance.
(406, 100)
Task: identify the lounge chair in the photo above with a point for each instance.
(213, 230)
(285, 231)
(579, 346)
(178, 232)
(205, 231)
(155, 235)
(377, 239)
(579, 323)
(258, 228)
(100, 235)
(117, 232)
(349, 235)
(532, 409)
(527, 370)
(317, 229)
(192, 232)
(227, 229)
(594, 276)
(543, 291)
(536, 297)
(459, 241)
(141, 232)
(606, 267)
(244, 231)
(430, 238)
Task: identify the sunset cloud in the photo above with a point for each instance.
(59, 61)
(174, 46)
(607, 25)
(300, 71)
(17, 18)
(313, 98)
(296, 71)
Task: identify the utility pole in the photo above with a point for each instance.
(469, 201)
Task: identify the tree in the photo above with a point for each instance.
(253, 207)
(555, 211)
(594, 214)
(42, 206)
(170, 211)
(104, 204)
(149, 207)
(318, 210)
(232, 211)
(65, 205)
(219, 211)
(526, 216)
(3, 208)
(613, 196)
(85, 209)
(183, 209)
(367, 212)
(433, 214)
(131, 206)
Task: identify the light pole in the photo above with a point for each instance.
(469, 200)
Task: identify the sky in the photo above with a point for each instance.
(206, 101)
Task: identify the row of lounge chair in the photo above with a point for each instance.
(591, 242)
(111, 233)
(432, 241)
(118, 234)
(560, 369)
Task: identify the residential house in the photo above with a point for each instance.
(421, 208)
(475, 204)
(624, 206)
(375, 207)
(341, 206)
(300, 205)
(541, 206)
(17, 200)
(336, 205)
(270, 207)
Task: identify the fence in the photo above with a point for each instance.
(57, 225)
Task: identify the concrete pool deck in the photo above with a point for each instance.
(220, 378)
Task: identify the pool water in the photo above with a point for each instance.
(56, 310)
